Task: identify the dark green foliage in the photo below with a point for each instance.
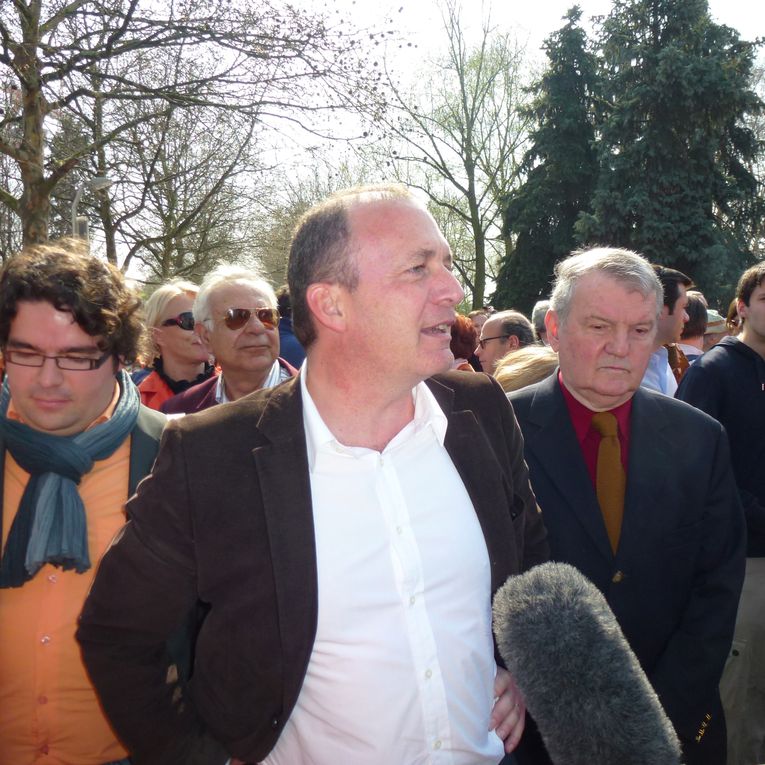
(668, 116)
(675, 181)
(560, 170)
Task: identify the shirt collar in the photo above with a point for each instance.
(581, 415)
(427, 414)
(273, 378)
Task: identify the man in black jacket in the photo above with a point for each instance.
(637, 489)
(728, 382)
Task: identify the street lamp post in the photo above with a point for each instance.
(97, 183)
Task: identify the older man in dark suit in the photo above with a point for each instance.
(637, 490)
(347, 530)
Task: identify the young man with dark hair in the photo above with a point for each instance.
(728, 382)
(665, 365)
(74, 442)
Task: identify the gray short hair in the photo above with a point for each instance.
(223, 275)
(538, 313)
(624, 266)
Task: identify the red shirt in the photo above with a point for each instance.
(588, 437)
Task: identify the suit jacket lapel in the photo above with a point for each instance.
(550, 437)
(282, 464)
(650, 452)
(471, 454)
(144, 445)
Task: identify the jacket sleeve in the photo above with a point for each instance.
(700, 388)
(143, 593)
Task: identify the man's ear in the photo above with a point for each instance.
(552, 325)
(513, 343)
(325, 302)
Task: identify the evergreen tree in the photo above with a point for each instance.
(675, 179)
(560, 170)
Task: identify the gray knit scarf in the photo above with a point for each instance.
(50, 524)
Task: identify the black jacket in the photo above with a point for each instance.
(728, 382)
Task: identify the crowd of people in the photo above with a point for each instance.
(325, 485)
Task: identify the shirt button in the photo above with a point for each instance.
(45, 639)
(399, 530)
(42, 700)
(274, 722)
(52, 578)
(44, 749)
(617, 577)
(428, 674)
(411, 600)
(437, 745)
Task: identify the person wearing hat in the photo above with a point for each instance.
(716, 329)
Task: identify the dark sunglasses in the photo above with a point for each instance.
(236, 318)
(183, 320)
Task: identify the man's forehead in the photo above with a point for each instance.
(28, 329)
(604, 295)
(225, 293)
(372, 218)
(489, 325)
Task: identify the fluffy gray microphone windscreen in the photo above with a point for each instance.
(582, 683)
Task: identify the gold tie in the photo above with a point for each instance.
(610, 479)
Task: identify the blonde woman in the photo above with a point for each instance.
(525, 366)
(180, 359)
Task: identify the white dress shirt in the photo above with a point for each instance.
(659, 376)
(276, 374)
(402, 668)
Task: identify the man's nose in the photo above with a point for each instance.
(49, 374)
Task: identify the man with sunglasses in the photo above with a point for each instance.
(238, 321)
(347, 529)
(502, 332)
(74, 442)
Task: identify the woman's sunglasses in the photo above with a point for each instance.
(183, 320)
(236, 318)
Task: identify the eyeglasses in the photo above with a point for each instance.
(482, 342)
(183, 320)
(236, 318)
(68, 363)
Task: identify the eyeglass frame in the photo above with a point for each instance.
(274, 312)
(482, 341)
(93, 363)
(176, 321)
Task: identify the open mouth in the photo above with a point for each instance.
(438, 329)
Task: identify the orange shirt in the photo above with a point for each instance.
(154, 391)
(49, 713)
